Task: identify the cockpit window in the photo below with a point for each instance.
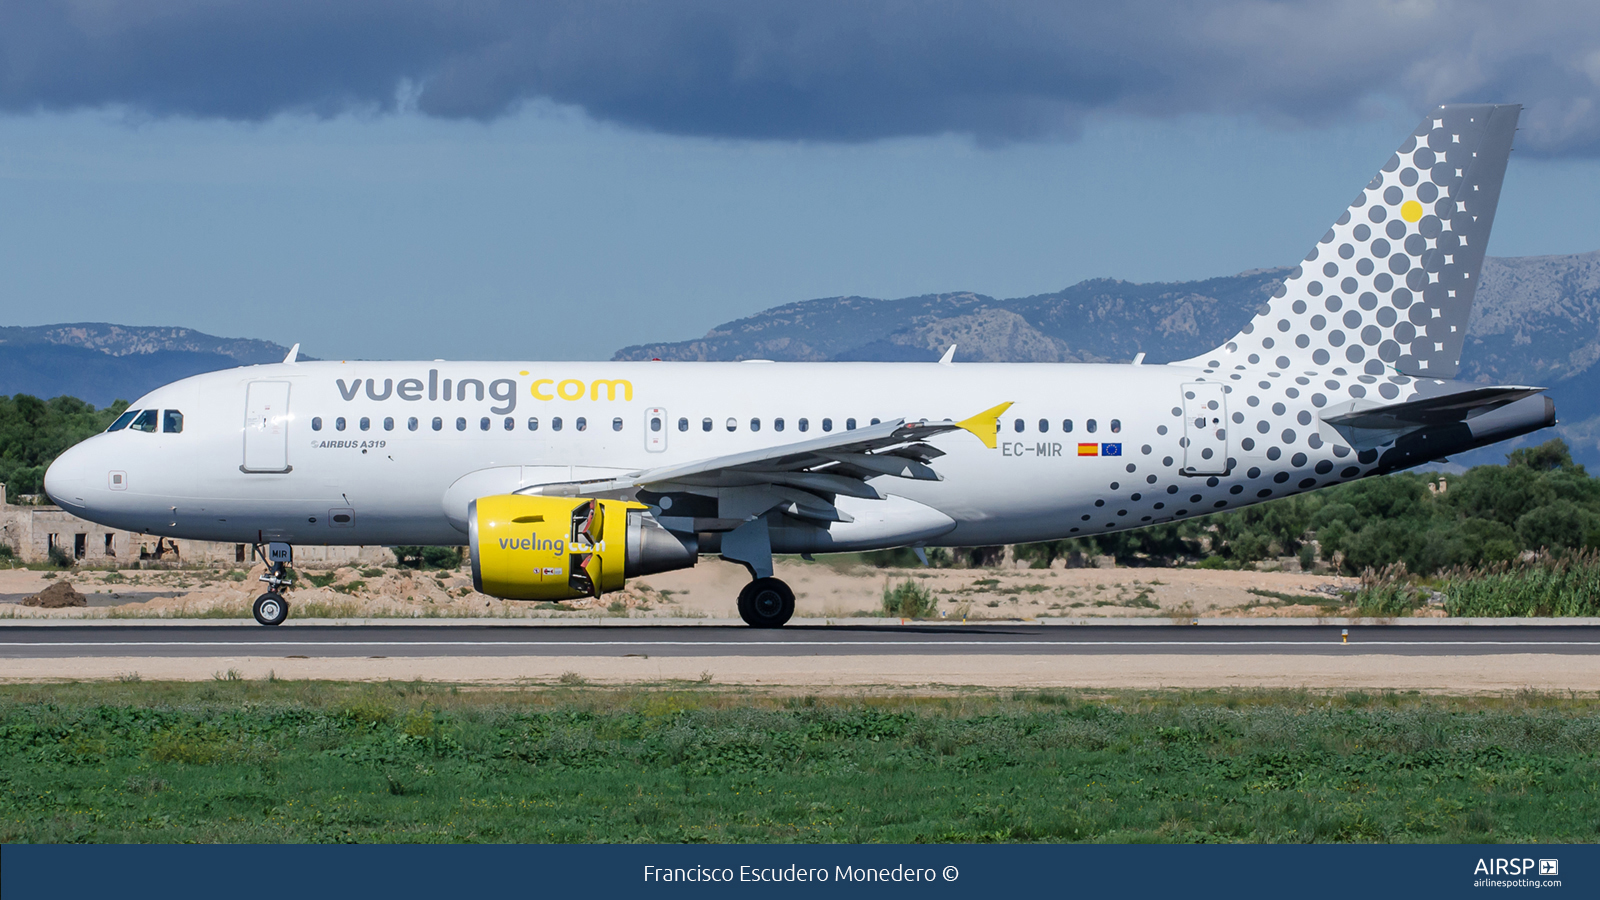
(171, 421)
(145, 421)
(122, 421)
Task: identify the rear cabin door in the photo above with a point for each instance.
(1205, 428)
(266, 427)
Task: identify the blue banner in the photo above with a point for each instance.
(302, 872)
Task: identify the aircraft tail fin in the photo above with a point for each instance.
(1389, 288)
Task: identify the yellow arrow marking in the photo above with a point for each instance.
(986, 425)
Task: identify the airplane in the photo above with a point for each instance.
(564, 479)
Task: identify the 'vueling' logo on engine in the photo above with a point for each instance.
(553, 545)
(557, 546)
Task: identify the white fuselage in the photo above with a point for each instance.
(355, 470)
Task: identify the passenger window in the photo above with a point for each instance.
(1090, 426)
(777, 424)
(411, 423)
(733, 423)
(655, 423)
(316, 423)
(510, 424)
(755, 424)
(1066, 425)
(874, 422)
(338, 424)
(555, 423)
(827, 424)
(705, 425)
(804, 425)
(683, 424)
(1017, 426)
(123, 420)
(461, 423)
(849, 424)
(483, 424)
(366, 423)
(388, 423)
(1044, 425)
(616, 424)
(533, 423)
(146, 422)
(171, 421)
(438, 423)
(1116, 426)
(581, 424)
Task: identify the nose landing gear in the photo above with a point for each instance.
(270, 608)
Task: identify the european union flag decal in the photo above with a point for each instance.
(1110, 449)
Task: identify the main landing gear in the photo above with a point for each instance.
(766, 603)
(270, 608)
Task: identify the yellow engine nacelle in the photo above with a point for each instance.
(561, 548)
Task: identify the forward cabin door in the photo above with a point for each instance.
(1205, 428)
(266, 427)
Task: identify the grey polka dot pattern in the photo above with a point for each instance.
(1399, 269)
(1375, 315)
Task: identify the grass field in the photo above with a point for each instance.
(240, 761)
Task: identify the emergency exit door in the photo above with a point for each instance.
(1205, 428)
(655, 429)
(266, 427)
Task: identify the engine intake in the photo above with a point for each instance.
(562, 548)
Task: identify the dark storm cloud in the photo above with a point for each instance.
(822, 70)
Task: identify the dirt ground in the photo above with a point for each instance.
(1456, 675)
(822, 589)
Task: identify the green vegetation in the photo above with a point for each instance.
(34, 432)
(908, 600)
(242, 761)
(411, 557)
(1546, 586)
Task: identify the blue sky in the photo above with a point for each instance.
(405, 180)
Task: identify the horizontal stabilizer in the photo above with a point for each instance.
(1437, 410)
(1454, 416)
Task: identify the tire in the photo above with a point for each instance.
(271, 609)
(766, 603)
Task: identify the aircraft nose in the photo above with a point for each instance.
(67, 480)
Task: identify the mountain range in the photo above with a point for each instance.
(1536, 321)
(102, 363)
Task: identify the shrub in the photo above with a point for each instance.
(1387, 591)
(908, 600)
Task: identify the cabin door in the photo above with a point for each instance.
(266, 427)
(1205, 428)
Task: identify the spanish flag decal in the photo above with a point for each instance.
(1088, 449)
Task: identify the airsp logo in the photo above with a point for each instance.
(1502, 866)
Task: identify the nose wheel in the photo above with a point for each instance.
(271, 609)
(766, 603)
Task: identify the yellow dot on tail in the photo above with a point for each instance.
(1411, 210)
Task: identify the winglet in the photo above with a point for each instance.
(294, 354)
(986, 425)
(949, 356)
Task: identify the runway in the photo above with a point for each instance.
(465, 642)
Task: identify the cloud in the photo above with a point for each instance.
(821, 70)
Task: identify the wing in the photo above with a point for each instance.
(803, 477)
